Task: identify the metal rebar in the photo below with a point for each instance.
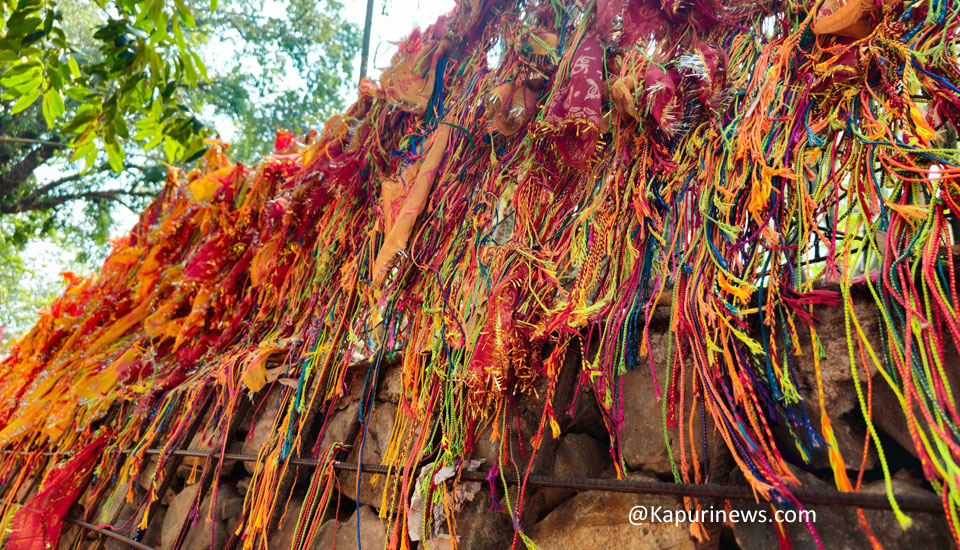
(836, 499)
(106, 532)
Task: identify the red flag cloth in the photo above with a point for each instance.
(623, 22)
(284, 139)
(573, 114)
(38, 523)
(663, 99)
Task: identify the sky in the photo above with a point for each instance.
(392, 21)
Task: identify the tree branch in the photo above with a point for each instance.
(108, 194)
(30, 141)
(39, 192)
(43, 190)
(12, 179)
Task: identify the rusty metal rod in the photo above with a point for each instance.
(106, 532)
(836, 499)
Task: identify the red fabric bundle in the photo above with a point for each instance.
(573, 114)
(663, 99)
(38, 523)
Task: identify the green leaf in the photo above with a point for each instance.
(22, 26)
(200, 66)
(74, 67)
(83, 149)
(48, 20)
(31, 5)
(78, 93)
(12, 80)
(26, 100)
(189, 70)
(157, 138)
(144, 133)
(7, 56)
(33, 37)
(213, 5)
(121, 128)
(160, 29)
(184, 12)
(32, 52)
(115, 155)
(56, 74)
(52, 106)
(85, 116)
(90, 159)
(196, 150)
(172, 148)
(30, 66)
(178, 35)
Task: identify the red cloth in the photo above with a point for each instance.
(573, 114)
(713, 84)
(663, 99)
(284, 139)
(637, 18)
(38, 523)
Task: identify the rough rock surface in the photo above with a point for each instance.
(379, 428)
(206, 444)
(282, 535)
(151, 537)
(115, 507)
(372, 530)
(850, 436)
(838, 390)
(642, 442)
(596, 519)
(839, 528)
(147, 473)
(342, 426)
(641, 438)
(479, 527)
(391, 385)
(200, 536)
(576, 408)
(578, 455)
(262, 426)
(69, 536)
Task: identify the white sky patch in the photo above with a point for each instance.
(388, 30)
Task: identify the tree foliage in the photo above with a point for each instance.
(289, 68)
(99, 98)
(135, 75)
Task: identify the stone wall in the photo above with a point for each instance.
(560, 518)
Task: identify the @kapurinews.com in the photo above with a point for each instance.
(660, 514)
